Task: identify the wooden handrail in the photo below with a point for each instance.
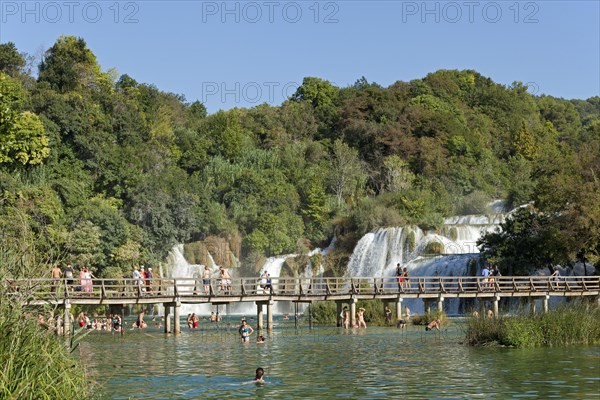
(294, 288)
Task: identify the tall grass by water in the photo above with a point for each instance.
(35, 363)
(568, 324)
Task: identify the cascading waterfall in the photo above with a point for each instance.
(450, 252)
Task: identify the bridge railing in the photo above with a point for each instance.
(49, 289)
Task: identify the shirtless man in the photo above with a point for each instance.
(206, 279)
(360, 317)
(56, 274)
(139, 323)
(195, 321)
(345, 317)
(225, 280)
(435, 324)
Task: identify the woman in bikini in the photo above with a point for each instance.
(245, 331)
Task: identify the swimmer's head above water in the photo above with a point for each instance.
(259, 374)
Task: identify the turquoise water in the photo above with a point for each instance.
(332, 363)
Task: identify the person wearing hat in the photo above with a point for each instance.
(136, 277)
(149, 277)
(143, 278)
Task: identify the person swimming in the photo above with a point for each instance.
(260, 374)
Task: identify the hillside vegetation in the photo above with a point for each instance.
(99, 169)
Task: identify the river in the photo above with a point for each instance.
(328, 362)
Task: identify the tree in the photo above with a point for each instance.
(398, 174)
(348, 175)
(11, 62)
(524, 143)
(22, 136)
(69, 64)
(527, 240)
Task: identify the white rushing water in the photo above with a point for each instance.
(378, 253)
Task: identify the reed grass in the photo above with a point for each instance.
(576, 323)
(36, 364)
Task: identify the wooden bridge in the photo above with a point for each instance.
(173, 292)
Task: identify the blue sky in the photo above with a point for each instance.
(243, 53)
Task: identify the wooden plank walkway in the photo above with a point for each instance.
(192, 291)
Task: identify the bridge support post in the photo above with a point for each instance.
(176, 317)
(440, 306)
(67, 319)
(545, 303)
(496, 312)
(482, 310)
(259, 315)
(427, 306)
(532, 307)
(270, 316)
(399, 309)
(338, 308)
(167, 317)
(353, 312)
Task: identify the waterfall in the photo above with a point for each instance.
(451, 251)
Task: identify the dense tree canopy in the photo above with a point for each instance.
(110, 172)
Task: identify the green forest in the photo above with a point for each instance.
(98, 169)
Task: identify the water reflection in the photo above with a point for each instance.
(327, 362)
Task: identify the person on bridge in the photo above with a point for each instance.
(68, 272)
(405, 279)
(136, 277)
(245, 331)
(225, 280)
(142, 278)
(56, 274)
(485, 273)
(555, 279)
(206, 279)
(86, 281)
(149, 277)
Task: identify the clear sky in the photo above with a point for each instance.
(243, 53)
